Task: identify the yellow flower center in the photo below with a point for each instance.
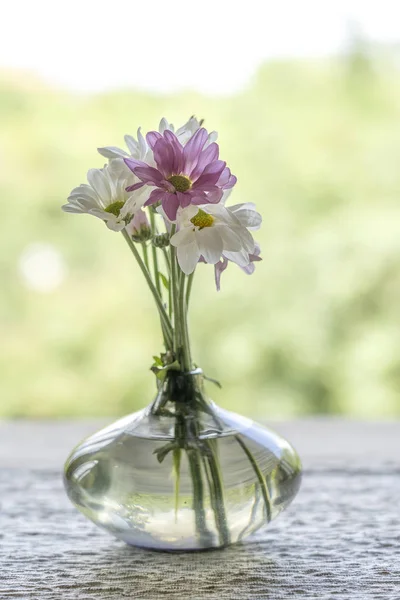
(202, 219)
(180, 182)
(115, 208)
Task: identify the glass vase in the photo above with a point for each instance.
(182, 474)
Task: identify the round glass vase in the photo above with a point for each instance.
(182, 474)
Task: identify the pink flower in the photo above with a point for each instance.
(184, 175)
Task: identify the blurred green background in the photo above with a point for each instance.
(315, 330)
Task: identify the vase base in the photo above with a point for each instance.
(133, 487)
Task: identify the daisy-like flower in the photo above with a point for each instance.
(211, 231)
(105, 196)
(184, 174)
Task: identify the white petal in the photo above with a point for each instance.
(133, 146)
(210, 244)
(142, 144)
(70, 208)
(112, 152)
(225, 196)
(131, 206)
(247, 240)
(247, 216)
(115, 225)
(188, 257)
(240, 258)
(183, 237)
(230, 239)
(221, 213)
(165, 125)
(100, 184)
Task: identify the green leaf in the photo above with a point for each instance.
(162, 452)
(165, 280)
(161, 372)
(157, 361)
(214, 381)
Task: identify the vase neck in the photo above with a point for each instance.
(181, 389)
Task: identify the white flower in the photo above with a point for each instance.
(211, 231)
(139, 149)
(106, 198)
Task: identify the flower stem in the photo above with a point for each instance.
(189, 288)
(215, 484)
(187, 359)
(260, 477)
(145, 255)
(174, 286)
(163, 315)
(198, 496)
(154, 252)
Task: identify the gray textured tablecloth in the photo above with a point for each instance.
(339, 539)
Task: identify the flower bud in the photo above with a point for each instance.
(161, 240)
(139, 228)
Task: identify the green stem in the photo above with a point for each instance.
(164, 317)
(174, 287)
(198, 496)
(145, 255)
(154, 251)
(187, 359)
(167, 261)
(216, 487)
(189, 288)
(260, 477)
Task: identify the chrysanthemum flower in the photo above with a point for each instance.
(184, 174)
(106, 197)
(211, 231)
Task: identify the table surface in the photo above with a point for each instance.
(339, 539)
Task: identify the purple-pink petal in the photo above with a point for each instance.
(199, 198)
(227, 180)
(219, 268)
(210, 175)
(184, 199)
(171, 138)
(152, 137)
(133, 164)
(149, 175)
(214, 195)
(155, 196)
(207, 155)
(135, 186)
(170, 204)
(193, 149)
(168, 154)
(164, 157)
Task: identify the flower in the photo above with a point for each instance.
(221, 265)
(106, 197)
(211, 231)
(184, 174)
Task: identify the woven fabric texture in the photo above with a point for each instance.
(339, 540)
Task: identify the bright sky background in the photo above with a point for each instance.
(211, 45)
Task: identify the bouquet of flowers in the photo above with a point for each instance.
(167, 194)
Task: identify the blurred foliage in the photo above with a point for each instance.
(314, 330)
